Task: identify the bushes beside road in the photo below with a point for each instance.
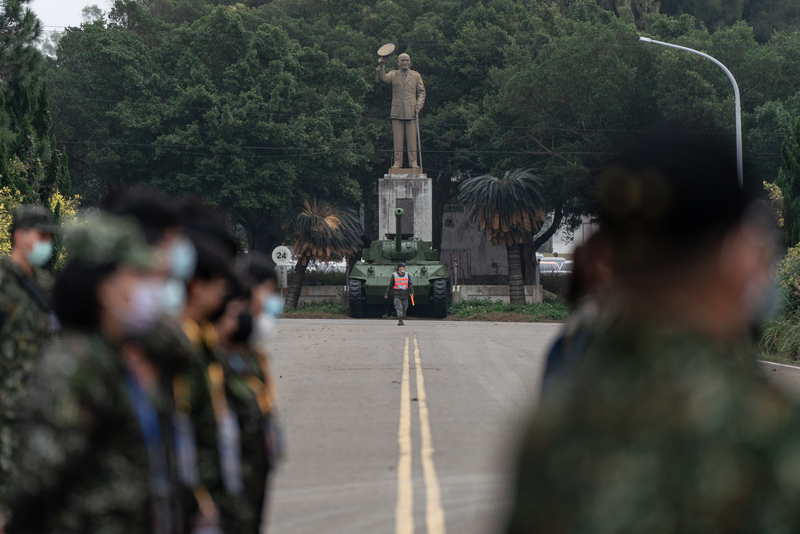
(469, 310)
(488, 310)
(317, 310)
(780, 337)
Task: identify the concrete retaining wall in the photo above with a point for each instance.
(322, 293)
(533, 294)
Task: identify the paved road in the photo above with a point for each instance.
(402, 430)
(360, 429)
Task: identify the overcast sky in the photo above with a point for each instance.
(63, 12)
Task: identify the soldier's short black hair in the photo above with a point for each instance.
(256, 266)
(212, 258)
(75, 299)
(201, 219)
(154, 212)
(667, 198)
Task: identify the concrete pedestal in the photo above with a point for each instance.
(413, 193)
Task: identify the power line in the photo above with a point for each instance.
(324, 150)
(382, 121)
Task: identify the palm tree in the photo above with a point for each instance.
(506, 209)
(321, 231)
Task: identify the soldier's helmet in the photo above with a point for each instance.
(29, 216)
(106, 239)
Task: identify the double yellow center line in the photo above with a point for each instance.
(404, 512)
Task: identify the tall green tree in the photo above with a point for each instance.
(507, 210)
(26, 146)
(319, 231)
(249, 120)
(789, 183)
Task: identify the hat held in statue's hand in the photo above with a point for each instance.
(386, 50)
(102, 238)
(39, 218)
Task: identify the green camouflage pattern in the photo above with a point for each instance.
(83, 464)
(24, 330)
(101, 238)
(239, 368)
(236, 514)
(660, 431)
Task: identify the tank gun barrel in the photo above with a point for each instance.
(398, 237)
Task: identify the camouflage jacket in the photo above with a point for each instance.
(83, 463)
(660, 431)
(237, 513)
(24, 330)
(250, 397)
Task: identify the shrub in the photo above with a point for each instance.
(549, 310)
(789, 278)
(555, 283)
(780, 337)
(328, 309)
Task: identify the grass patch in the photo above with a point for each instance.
(317, 310)
(489, 310)
(780, 339)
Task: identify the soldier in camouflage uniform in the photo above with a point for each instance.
(92, 456)
(666, 424)
(26, 320)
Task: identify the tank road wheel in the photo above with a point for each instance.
(356, 306)
(439, 298)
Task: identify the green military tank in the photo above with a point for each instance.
(370, 276)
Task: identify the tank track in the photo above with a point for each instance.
(439, 298)
(356, 307)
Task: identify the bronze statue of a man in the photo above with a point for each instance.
(408, 97)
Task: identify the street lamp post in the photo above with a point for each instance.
(737, 99)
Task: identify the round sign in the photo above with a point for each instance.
(386, 50)
(282, 255)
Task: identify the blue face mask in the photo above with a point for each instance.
(41, 253)
(273, 306)
(183, 259)
(173, 297)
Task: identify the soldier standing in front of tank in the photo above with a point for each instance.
(401, 288)
(25, 320)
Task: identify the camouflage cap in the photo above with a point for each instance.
(37, 217)
(102, 238)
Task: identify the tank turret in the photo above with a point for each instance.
(370, 276)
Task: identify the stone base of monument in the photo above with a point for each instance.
(401, 171)
(412, 192)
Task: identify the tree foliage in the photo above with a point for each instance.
(789, 183)
(321, 231)
(258, 106)
(509, 210)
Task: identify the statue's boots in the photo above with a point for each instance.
(400, 323)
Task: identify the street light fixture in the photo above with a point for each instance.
(737, 99)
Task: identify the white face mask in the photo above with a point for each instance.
(173, 297)
(263, 328)
(144, 309)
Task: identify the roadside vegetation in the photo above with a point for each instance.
(317, 310)
(780, 337)
(487, 310)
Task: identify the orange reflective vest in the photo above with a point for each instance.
(401, 282)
